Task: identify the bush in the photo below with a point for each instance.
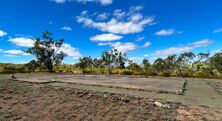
(127, 72)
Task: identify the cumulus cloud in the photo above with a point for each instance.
(167, 32)
(119, 13)
(102, 2)
(2, 33)
(70, 51)
(122, 47)
(27, 42)
(178, 50)
(218, 30)
(147, 44)
(21, 41)
(133, 22)
(66, 28)
(105, 38)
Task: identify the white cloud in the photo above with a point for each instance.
(102, 2)
(135, 8)
(59, 1)
(10, 55)
(117, 27)
(218, 30)
(70, 51)
(2, 33)
(105, 37)
(15, 52)
(66, 28)
(147, 44)
(21, 41)
(136, 59)
(133, 23)
(122, 47)
(171, 51)
(26, 42)
(119, 14)
(106, 2)
(1, 50)
(178, 50)
(139, 39)
(136, 17)
(201, 43)
(165, 32)
(102, 16)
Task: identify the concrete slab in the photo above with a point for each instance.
(173, 85)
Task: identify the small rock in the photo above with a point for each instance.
(124, 99)
(158, 104)
(167, 106)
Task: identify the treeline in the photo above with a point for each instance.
(49, 58)
(186, 64)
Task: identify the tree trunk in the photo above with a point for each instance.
(110, 70)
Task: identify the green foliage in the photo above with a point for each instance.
(113, 58)
(47, 51)
(216, 61)
(84, 63)
(49, 58)
(11, 68)
(32, 66)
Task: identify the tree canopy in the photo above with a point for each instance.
(47, 51)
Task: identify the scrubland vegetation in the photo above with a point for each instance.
(49, 58)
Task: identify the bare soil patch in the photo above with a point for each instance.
(20, 101)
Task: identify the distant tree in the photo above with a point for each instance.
(47, 51)
(134, 67)
(84, 63)
(202, 56)
(130, 62)
(159, 65)
(97, 63)
(202, 59)
(170, 63)
(121, 60)
(216, 61)
(146, 66)
(32, 66)
(109, 59)
(184, 63)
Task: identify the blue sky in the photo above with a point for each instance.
(141, 28)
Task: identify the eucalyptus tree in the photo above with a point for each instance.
(216, 61)
(170, 64)
(84, 63)
(47, 51)
(184, 63)
(159, 65)
(113, 58)
(146, 66)
(97, 63)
